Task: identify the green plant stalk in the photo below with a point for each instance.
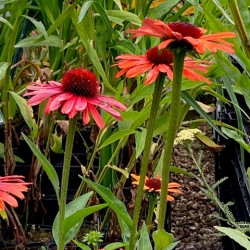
(151, 205)
(65, 177)
(239, 25)
(144, 165)
(173, 124)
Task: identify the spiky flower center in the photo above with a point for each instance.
(80, 82)
(153, 184)
(186, 29)
(157, 56)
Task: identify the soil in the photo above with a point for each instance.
(192, 213)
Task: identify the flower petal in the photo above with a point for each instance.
(98, 119)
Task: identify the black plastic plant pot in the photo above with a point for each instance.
(229, 164)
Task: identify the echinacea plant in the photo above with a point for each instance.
(152, 187)
(179, 38)
(78, 92)
(11, 186)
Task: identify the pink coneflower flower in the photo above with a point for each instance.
(184, 35)
(153, 185)
(12, 186)
(78, 91)
(155, 62)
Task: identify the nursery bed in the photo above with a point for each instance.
(191, 218)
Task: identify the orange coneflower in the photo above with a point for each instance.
(11, 186)
(157, 61)
(184, 35)
(153, 185)
(78, 91)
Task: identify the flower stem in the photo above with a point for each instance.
(65, 178)
(179, 55)
(239, 25)
(151, 205)
(144, 165)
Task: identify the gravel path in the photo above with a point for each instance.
(192, 222)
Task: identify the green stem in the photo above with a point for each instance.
(152, 202)
(144, 165)
(239, 25)
(65, 178)
(179, 56)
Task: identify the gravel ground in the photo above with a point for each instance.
(191, 218)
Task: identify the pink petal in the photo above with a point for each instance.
(81, 103)
(85, 116)
(98, 119)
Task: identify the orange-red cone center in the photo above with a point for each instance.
(157, 56)
(186, 29)
(153, 183)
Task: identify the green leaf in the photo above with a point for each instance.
(72, 223)
(235, 136)
(3, 20)
(162, 239)
(39, 25)
(163, 8)
(38, 40)
(116, 136)
(122, 171)
(189, 99)
(48, 168)
(118, 3)
(120, 16)
(172, 245)
(91, 51)
(27, 113)
(86, 5)
(81, 245)
(144, 241)
(140, 138)
(115, 204)
(61, 18)
(78, 204)
(212, 18)
(3, 68)
(115, 245)
(235, 235)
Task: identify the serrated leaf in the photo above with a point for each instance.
(217, 183)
